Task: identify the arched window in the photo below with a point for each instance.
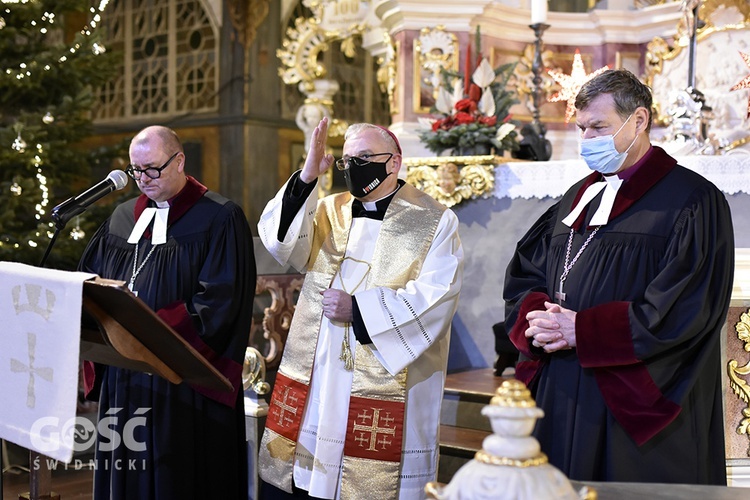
(170, 55)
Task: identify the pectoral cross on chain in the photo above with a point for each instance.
(559, 294)
(568, 265)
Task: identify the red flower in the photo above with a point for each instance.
(507, 118)
(488, 120)
(462, 118)
(443, 123)
(466, 106)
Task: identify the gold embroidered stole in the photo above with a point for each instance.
(372, 451)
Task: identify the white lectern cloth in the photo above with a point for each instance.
(40, 336)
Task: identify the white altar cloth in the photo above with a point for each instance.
(730, 173)
(40, 336)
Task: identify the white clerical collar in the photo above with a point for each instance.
(611, 184)
(160, 215)
(372, 205)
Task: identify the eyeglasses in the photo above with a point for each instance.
(152, 172)
(359, 161)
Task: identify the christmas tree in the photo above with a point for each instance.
(53, 59)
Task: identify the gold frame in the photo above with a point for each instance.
(431, 61)
(453, 179)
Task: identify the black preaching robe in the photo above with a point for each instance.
(639, 398)
(178, 441)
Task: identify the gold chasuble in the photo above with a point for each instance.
(374, 435)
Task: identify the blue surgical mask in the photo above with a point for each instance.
(601, 155)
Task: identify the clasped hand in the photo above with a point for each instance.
(337, 305)
(552, 329)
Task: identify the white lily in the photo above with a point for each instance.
(444, 102)
(484, 75)
(425, 123)
(486, 104)
(458, 90)
(503, 130)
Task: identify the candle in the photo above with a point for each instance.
(538, 11)
(467, 68)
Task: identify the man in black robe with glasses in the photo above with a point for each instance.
(188, 254)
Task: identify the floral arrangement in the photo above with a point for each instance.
(474, 117)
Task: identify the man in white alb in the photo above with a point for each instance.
(356, 402)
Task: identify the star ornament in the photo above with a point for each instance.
(571, 84)
(745, 83)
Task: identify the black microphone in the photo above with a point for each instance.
(62, 213)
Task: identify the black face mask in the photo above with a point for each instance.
(362, 180)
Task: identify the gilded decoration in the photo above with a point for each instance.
(524, 76)
(332, 20)
(659, 50)
(435, 51)
(522, 80)
(299, 52)
(738, 384)
(254, 372)
(453, 179)
(388, 71)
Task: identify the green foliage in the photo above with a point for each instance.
(468, 137)
(43, 78)
(449, 131)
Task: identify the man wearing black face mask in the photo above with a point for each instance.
(356, 402)
(616, 298)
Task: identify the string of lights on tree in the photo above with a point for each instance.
(24, 73)
(25, 69)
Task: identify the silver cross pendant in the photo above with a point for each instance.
(559, 294)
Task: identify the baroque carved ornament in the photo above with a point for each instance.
(332, 20)
(453, 179)
(738, 384)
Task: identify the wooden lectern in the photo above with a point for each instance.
(118, 329)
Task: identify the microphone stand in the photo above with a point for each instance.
(60, 223)
(50, 245)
